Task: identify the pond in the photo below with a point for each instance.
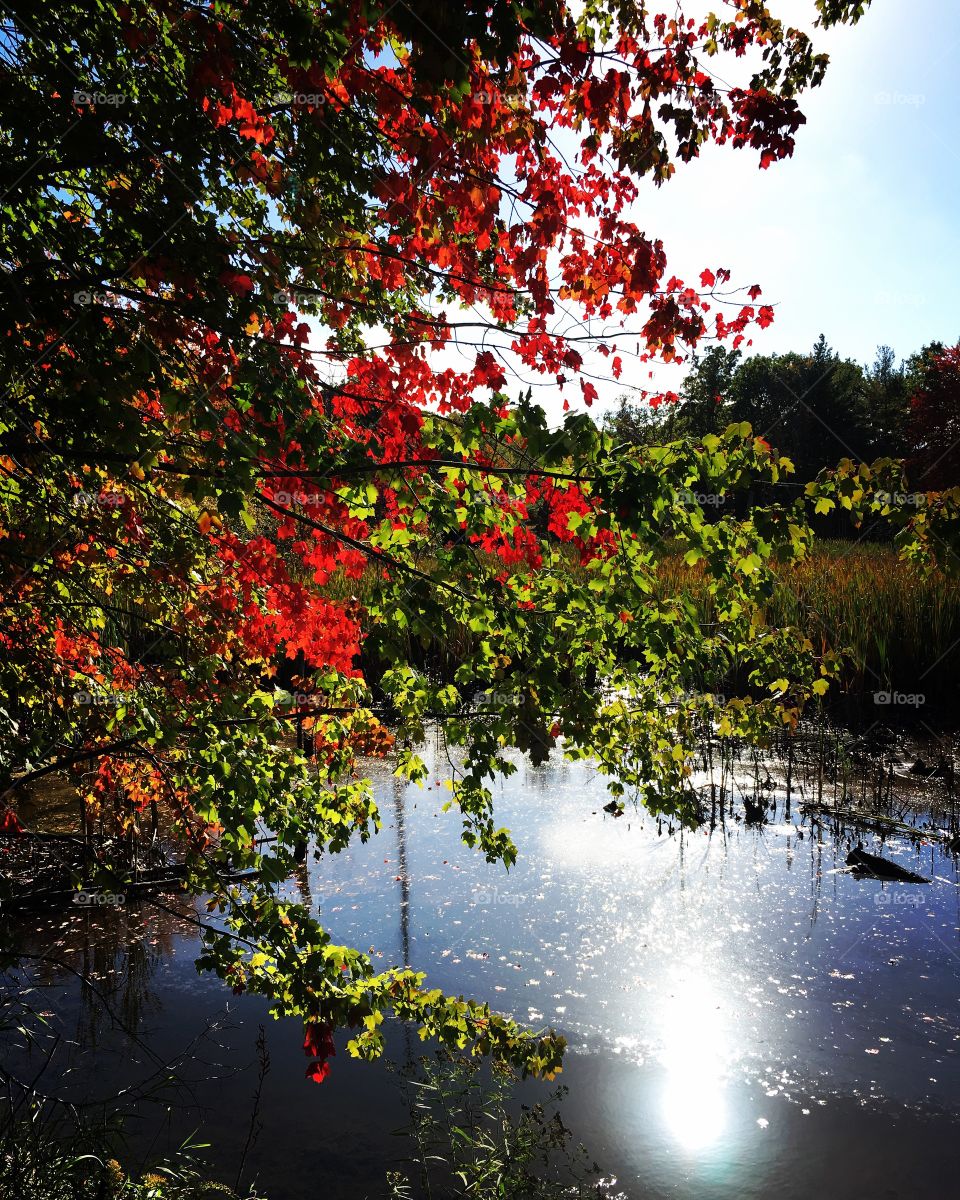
(745, 1017)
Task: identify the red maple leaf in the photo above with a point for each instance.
(318, 1071)
(10, 823)
(318, 1045)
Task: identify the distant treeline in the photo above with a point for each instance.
(818, 408)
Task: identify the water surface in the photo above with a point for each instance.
(745, 1017)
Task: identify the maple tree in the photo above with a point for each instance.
(934, 422)
(281, 280)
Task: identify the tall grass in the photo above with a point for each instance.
(471, 1139)
(899, 629)
(76, 1167)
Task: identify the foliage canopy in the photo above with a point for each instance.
(281, 280)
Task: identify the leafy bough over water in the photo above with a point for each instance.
(544, 641)
(540, 637)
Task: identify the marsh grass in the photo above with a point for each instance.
(472, 1139)
(899, 630)
(38, 1162)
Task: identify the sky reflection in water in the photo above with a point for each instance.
(737, 954)
(742, 1013)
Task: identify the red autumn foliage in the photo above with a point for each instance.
(935, 422)
(318, 1045)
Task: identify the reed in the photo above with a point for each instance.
(899, 629)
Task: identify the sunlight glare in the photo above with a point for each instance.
(694, 1107)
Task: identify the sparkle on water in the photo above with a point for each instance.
(721, 989)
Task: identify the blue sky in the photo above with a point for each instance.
(858, 234)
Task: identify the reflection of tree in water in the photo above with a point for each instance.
(110, 954)
(80, 985)
(301, 877)
(403, 867)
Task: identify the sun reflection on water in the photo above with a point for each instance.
(694, 1053)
